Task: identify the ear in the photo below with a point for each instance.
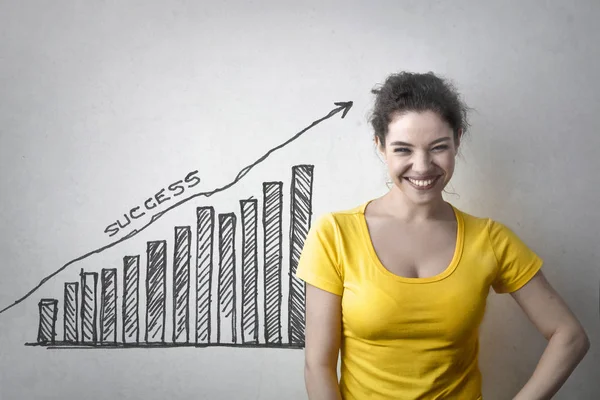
(458, 138)
(380, 146)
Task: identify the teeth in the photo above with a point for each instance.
(421, 183)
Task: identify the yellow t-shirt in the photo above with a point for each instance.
(412, 338)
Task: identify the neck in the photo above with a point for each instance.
(400, 206)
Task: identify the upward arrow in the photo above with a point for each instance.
(343, 107)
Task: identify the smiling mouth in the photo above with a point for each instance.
(423, 184)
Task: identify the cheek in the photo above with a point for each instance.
(447, 164)
(395, 168)
(444, 160)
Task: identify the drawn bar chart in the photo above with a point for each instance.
(341, 108)
(230, 249)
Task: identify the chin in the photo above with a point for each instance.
(430, 198)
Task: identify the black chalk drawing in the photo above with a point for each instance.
(300, 214)
(156, 291)
(181, 284)
(71, 333)
(83, 333)
(48, 309)
(108, 306)
(89, 284)
(249, 212)
(227, 290)
(273, 256)
(131, 285)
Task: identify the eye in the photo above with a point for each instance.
(441, 147)
(401, 150)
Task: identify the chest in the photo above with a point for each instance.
(414, 252)
(448, 310)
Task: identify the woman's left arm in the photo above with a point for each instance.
(567, 341)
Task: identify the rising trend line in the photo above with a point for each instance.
(343, 107)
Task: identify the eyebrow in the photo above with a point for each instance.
(399, 143)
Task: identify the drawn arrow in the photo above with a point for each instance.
(344, 107)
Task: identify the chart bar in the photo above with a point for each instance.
(48, 309)
(249, 211)
(131, 299)
(226, 332)
(108, 306)
(181, 284)
(273, 256)
(300, 214)
(70, 309)
(156, 288)
(205, 217)
(89, 311)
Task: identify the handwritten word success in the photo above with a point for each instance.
(172, 191)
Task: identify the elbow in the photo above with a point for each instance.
(583, 343)
(321, 381)
(312, 368)
(316, 370)
(577, 340)
(308, 375)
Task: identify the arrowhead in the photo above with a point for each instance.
(344, 105)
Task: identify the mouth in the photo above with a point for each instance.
(423, 184)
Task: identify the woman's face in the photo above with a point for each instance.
(420, 152)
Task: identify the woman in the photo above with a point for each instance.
(399, 283)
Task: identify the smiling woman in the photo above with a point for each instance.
(424, 159)
(399, 284)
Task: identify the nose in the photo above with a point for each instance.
(421, 162)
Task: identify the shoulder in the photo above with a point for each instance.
(473, 223)
(339, 226)
(484, 230)
(340, 218)
(503, 239)
(480, 221)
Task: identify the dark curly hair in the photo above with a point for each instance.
(407, 91)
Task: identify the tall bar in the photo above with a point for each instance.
(70, 307)
(226, 329)
(48, 309)
(249, 270)
(108, 306)
(131, 299)
(181, 284)
(273, 256)
(205, 219)
(156, 289)
(300, 214)
(89, 312)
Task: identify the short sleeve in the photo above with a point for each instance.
(319, 262)
(517, 263)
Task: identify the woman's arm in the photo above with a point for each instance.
(322, 341)
(567, 341)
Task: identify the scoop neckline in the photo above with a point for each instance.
(458, 248)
